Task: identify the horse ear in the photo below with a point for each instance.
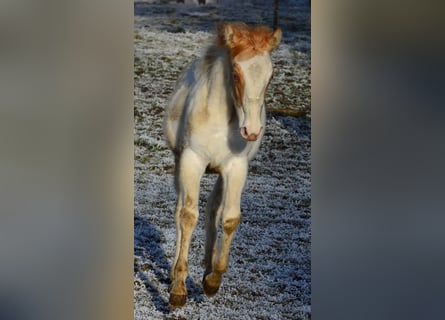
(275, 39)
(225, 34)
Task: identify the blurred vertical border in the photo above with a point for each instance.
(66, 163)
(378, 153)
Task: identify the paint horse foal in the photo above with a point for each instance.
(215, 121)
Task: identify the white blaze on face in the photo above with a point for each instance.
(256, 74)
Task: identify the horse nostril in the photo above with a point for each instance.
(247, 136)
(244, 130)
(244, 133)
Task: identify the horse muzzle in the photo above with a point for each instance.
(250, 136)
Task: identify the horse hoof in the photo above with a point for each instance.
(209, 290)
(177, 300)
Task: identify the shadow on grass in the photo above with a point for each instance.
(151, 256)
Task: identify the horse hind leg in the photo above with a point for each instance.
(213, 214)
(233, 183)
(186, 216)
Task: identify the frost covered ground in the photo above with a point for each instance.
(269, 275)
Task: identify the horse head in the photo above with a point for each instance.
(250, 49)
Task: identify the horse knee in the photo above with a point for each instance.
(189, 218)
(181, 266)
(230, 224)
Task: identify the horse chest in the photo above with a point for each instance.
(217, 146)
(211, 141)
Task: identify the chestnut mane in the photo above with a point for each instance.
(245, 41)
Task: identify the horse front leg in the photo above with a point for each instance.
(234, 176)
(186, 216)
